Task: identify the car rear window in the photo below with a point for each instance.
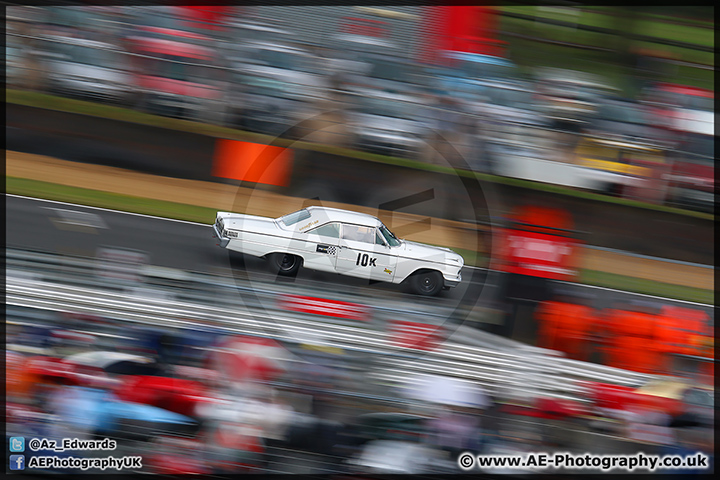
(295, 217)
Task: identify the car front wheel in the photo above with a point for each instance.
(427, 283)
(285, 264)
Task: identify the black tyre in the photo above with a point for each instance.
(427, 283)
(285, 264)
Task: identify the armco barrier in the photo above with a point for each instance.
(510, 371)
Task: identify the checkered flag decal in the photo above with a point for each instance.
(332, 250)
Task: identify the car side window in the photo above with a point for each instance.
(698, 398)
(327, 230)
(358, 233)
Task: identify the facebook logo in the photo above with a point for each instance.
(17, 444)
(17, 462)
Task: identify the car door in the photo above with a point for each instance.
(321, 246)
(362, 253)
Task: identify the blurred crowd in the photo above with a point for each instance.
(201, 401)
(361, 91)
(197, 401)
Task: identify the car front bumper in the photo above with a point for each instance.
(452, 281)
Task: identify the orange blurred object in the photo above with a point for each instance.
(15, 381)
(688, 327)
(633, 344)
(565, 327)
(252, 162)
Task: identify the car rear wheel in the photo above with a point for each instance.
(427, 283)
(285, 264)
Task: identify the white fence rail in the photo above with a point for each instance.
(512, 371)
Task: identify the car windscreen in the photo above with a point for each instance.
(185, 68)
(94, 56)
(295, 217)
(13, 53)
(390, 238)
(509, 97)
(699, 147)
(386, 69)
(385, 108)
(621, 113)
(269, 87)
(484, 70)
(695, 102)
(285, 60)
(164, 17)
(684, 100)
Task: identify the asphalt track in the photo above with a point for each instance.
(56, 227)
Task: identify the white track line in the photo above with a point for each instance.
(614, 290)
(108, 210)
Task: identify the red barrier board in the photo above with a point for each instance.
(539, 254)
(539, 242)
(419, 336)
(323, 306)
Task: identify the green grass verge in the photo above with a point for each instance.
(649, 287)
(652, 26)
(96, 198)
(40, 100)
(530, 55)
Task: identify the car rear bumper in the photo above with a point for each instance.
(223, 241)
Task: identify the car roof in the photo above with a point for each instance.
(326, 214)
(83, 42)
(348, 39)
(517, 85)
(104, 358)
(365, 93)
(478, 58)
(274, 46)
(685, 89)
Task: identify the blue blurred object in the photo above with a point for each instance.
(101, 411)
(115, 410)
(627, 120)
(464, 73)
(35, 336)
(191, 344)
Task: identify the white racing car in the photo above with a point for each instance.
(333, 240)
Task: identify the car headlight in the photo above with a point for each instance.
(456, 260)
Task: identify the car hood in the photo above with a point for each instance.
(91, 72)
(284, 75)
(388, 124)
(427, 252)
